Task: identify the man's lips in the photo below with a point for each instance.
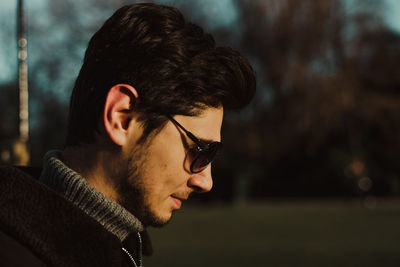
(178, 201)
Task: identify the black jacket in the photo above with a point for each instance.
(39, 227)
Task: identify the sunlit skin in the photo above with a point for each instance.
(163, 179)
(166, 179)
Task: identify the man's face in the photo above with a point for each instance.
(158, 178)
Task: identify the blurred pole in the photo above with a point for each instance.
(21, 150)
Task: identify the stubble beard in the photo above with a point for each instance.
(132, 191)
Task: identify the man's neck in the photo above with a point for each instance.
(69, 183)
(94, 166)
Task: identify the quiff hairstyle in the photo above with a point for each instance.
(175, 67)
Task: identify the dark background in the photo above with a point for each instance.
(325, 121)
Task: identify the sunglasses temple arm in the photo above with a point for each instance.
(194, 139)
(189, 134)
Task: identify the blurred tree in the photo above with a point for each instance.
(328, 96)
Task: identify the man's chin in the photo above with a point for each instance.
(146, 216)
(157, 220)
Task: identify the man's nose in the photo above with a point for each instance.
(201, 182)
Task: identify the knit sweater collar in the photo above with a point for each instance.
(76, 189)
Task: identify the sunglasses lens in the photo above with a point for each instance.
(204, 157)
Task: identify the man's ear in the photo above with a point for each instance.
(118, 112)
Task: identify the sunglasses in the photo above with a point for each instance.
(203, 154)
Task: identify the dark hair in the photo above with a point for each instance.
(175, 67)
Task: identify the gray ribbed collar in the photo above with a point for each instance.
(76, 189)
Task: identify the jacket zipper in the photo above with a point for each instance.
(139, 253)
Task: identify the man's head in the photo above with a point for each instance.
(148, 75)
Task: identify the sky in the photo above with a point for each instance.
(392, 14)
(221, 13)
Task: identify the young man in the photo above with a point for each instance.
(144, 126)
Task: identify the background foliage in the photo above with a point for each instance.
(325, 121)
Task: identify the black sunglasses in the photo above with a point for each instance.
(203, 154)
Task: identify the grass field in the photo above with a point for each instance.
(291, 233)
